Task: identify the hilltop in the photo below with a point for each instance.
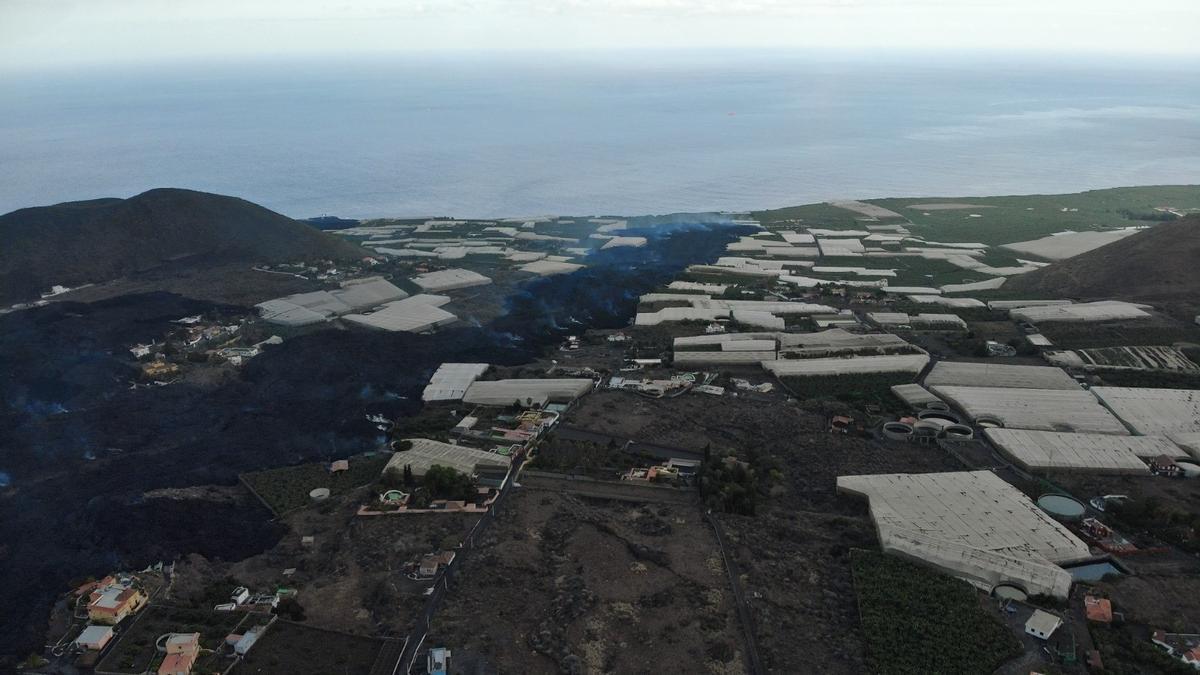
(102, 239)
(1157, 265)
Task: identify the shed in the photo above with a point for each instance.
(1042, 624)
(94, 637)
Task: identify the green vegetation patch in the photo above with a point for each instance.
(286, 489)
(852, 389)
(1133, 333)
(1021, 218)
(916, 620)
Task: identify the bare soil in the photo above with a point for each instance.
(569, 584)
(352, 577)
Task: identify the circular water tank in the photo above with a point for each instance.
(989, 422)
(1190, 469)
(319, 494)
(938, 406)
(959, 432)
(938, 415)
(935, 423)
(1062, 506)
(897, 431)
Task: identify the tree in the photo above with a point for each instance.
(408, 475)
(443, 482)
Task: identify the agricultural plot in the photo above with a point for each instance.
(1020, 218)
(948, 373)
(1065, 245)
(918, 621)
(1117, 333)
(856, 389)
(1128, 358)
(300, 650)
(1152, 412)
(1039, 409)
(286, 488)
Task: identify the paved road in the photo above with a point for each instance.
(441, 585)
(653, 449)
(753, 661)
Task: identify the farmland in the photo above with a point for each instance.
(915, 620)
(1006, 219)
(286, 489)
(1020, 218)
(300, 650)
(857, 389)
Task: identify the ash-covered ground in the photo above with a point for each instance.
(79, 447)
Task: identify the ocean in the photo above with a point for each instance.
(624, 134)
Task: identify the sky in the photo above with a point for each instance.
(37, 34)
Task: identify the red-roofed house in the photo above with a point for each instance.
(1098, 609)
(182, 650)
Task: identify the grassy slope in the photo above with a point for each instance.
(1012, 218)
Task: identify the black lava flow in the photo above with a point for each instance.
(79, 447)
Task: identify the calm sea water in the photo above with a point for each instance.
(483, 136)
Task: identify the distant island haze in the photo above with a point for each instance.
(461, 337)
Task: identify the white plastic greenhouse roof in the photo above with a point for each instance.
(999, 375)
(1040, 409)
(970, 524)
(1106, 310)
(902, 363)
(1101, 453)
(1153, 411)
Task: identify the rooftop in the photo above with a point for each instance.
(1102, 453)
(971, 524)
(1040, 409)
(999, 375)
(426, 453)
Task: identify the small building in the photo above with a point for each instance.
(432, 562)
(1042, 624)
(94, 638)
(182, 650)
(1165, 465)
(339, 466)
(1098, 610)
(1183, 646)
(438, 661)
(247, 640)
(240, 595)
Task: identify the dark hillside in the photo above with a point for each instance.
(1160, 265)
(102, 239)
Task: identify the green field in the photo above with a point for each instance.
(286, 488)
(1009, 219)
(851, 389)
(917, 621)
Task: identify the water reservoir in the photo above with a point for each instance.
(1062, 506)
(1093, 571)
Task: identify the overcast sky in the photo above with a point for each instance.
(36, 33)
